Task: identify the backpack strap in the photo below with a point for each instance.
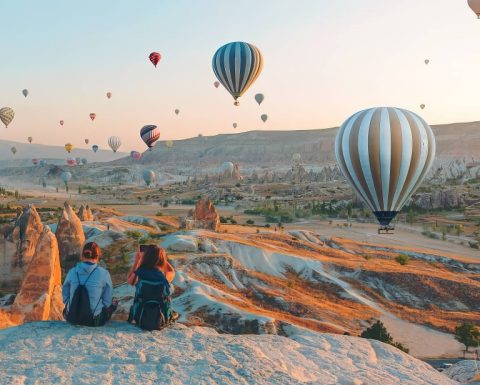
(78, 277)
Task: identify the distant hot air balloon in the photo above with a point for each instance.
(114, 143)
(237, 65)
(155, 58)
(475, 5)
(216, 84)
(264, 117)
(30, 139)
(149, 134)
(234, 125)
(66, 176)
(296, 158)
(94, 148)
(259, 98)
(69, 147)
(92, 116)
(422, 106)
(227, 168)
(35, 161)
(109, 95)
(62, 122)
(25, 92)
(84, 161)
(6, 115)
(135, 155)
(13, 150)
(427, 61)
(385, 153)
(169, 143)
(71, 162)
(43, 163)
(177, 111)
(78, 161)
(87, 141)
(149, 177)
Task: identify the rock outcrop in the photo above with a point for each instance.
(40, 296)
(70, 236)
(439, 199)
(85, 214)
(204, 216)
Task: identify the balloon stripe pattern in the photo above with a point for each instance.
(6, 115)
(237, 65)
(114, 142)
(149, 134)
(385, 153)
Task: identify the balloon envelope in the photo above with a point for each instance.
(66, 176)
(237, 65)
(259, 98)
(71, 162)
(78, 161)
(92, 116)
(114, 143)
(95, 148)
(216, 84)
(234, 125)
(25, 92)
(13, 150)
(6, 115)
(87, 141)
(177, 111)
(135, 155)
(385, 153)
(475, 6)
(84, 161)
(427, 61)
(155, 58)
(264, 117)
(35, 161)
(69, 147)
(62, 122)
(109, 95)
(422, 106)
(30, 139)
(169, 143)
(149, 134)
(149, 177)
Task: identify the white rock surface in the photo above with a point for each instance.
(465, 371)
(57, 353)
(181, 243)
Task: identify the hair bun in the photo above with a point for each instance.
(87, 253)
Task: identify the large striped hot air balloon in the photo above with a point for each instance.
(237, 65)
(114, 143)
(475, 6)
(6, 115)
(385, 154)
(149, 134)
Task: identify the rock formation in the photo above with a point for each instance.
(40, 296)
(439, 199)
(85, 214)
(70, 236)
(204, 216)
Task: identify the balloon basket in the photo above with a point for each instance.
(386, 230)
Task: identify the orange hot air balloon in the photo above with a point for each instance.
(62, 122)
(93, 116)
(155, 58)
(69, 147)
(109, 95)
(475, 5)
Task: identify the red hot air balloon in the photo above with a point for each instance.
(71, 162)
(93, 116)
(155, 58)
(62, 122)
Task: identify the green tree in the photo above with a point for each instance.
(410, 217)
(469, 335)
(379, 332)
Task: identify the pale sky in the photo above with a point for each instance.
(324, 60)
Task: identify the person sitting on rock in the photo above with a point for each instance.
(152, 275)
(87, 291)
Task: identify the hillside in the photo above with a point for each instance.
(57, 353)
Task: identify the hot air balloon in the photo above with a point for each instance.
(13, 150)
(78, 161)
(94, 148)
(149, 177)
(135, 155)
(427, 61)
(69, 147)
(475, 5)
(30, 139)
(177, 111)
(259, 98)
(92, 116)
(422, 106)
(296, 158)
(71, 162)
(169, 143)
(84, 161)
(114, 143)
(87, 141)
(109, 95)
(66, 176)
(62, 122)
(216, 84)
(25, 92)
(35, 161)
(6, 115)
(155, 58)
(227, 168)
(43, 163)
(385, 154)
(234, 125)
(264, 117)
(237, 65)
(149, 134)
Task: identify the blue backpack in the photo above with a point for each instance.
(151, 305)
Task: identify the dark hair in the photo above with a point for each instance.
(153, 257)
(91, 251)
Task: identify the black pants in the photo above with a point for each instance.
(100, 319)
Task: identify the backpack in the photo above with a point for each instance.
(79, 310)
(151, 305)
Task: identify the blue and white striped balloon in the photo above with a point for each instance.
(237, 65)
(385, 153)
